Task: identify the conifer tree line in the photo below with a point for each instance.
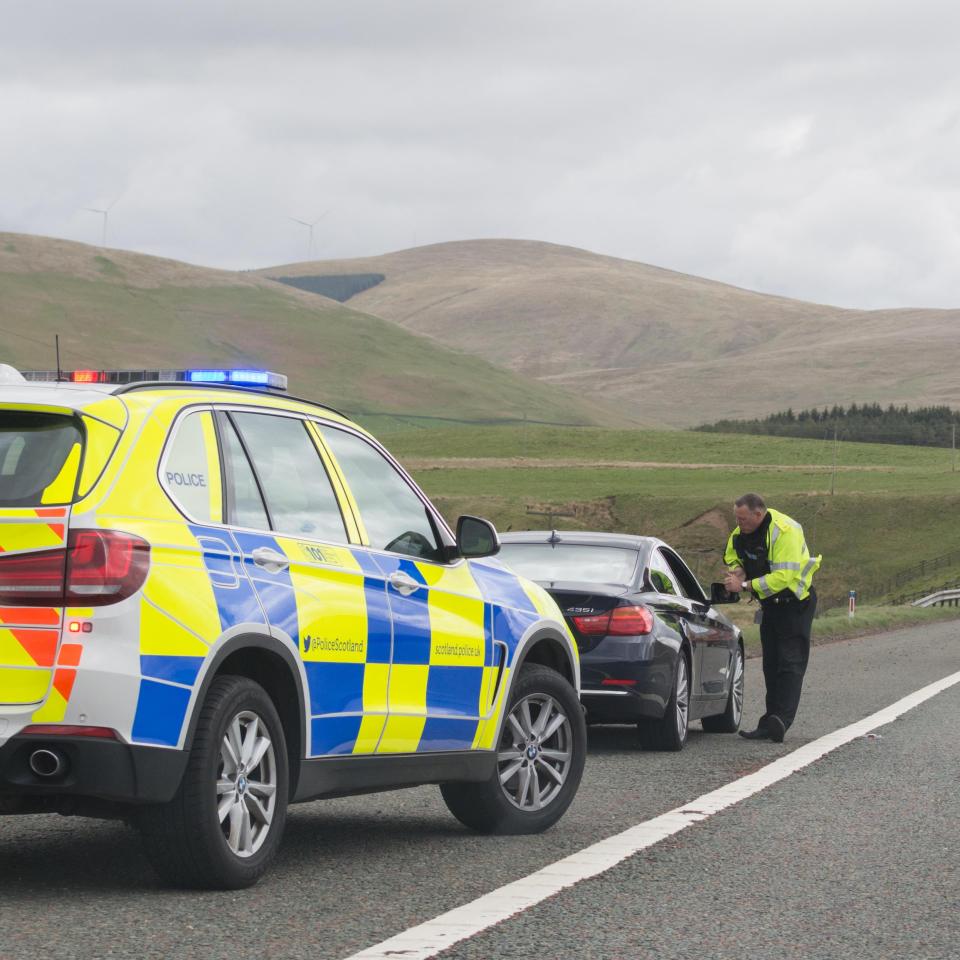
(866, 423)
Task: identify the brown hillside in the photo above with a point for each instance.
(113, 308)
(670, 348)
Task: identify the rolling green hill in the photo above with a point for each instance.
(671, 349)
(113, 308)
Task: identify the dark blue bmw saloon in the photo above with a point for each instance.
(653, 649)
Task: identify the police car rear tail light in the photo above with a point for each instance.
(104, 566)
(241, 378)
(97, 567)
(33, 579)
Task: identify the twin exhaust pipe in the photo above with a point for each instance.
(48, 764)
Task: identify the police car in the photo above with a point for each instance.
(217, 600)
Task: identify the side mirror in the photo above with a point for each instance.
(720, 594)
(477, 537)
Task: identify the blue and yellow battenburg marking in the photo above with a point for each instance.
(197, 591)
(385, 672)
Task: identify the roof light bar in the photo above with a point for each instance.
(240, 378)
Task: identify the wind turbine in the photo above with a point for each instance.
(310, 226)
(104, 213)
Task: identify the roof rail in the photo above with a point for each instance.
(231, 387)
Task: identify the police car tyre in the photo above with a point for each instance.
(224, 825)
(540, 758)
(669, 733)
(729, 720)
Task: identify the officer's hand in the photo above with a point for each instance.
(732, 581)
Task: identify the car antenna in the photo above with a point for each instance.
(554, 537)
(56, 340)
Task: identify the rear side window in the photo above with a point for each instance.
(191, 469)
(661, 576)
(39, 459)
(295, 485)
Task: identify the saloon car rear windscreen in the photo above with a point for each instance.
(570, 562)
(39, 458)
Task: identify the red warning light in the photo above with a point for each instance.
(87, 376)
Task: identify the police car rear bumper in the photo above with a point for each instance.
(95, 769)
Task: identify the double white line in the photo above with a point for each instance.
(430, 938)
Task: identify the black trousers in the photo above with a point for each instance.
(785, 637)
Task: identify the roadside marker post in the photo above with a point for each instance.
(852, 605)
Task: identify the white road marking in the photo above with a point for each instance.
(433, 937)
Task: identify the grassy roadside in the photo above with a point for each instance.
(836, 625)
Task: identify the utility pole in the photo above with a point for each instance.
(953, 447)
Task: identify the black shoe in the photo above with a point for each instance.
(761, 733)
(776, 728)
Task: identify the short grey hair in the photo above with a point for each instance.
(752, 501)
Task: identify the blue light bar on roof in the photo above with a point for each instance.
(258, 377)
(241, 378)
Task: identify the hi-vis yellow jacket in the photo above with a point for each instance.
(791, 566)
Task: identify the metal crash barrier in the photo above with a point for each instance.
(942, 598)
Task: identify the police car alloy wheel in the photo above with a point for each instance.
(535, 752)
(223, 826)
(540, 759)
(247, 783)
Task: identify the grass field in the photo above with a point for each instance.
(892, 506)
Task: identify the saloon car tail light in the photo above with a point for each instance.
(594, 625)
(97, 567)
(632, 621)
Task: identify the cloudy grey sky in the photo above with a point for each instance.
(800, 147)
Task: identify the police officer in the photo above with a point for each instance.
(767, 555)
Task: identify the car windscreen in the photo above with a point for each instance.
(39, 458)
(571, 562)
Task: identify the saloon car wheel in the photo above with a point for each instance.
(223, 826)
(540, 758)
(670, 731)
(729, 720)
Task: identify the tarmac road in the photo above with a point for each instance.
(855, 856)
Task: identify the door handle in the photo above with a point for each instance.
(270, 559)
(403, 583)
